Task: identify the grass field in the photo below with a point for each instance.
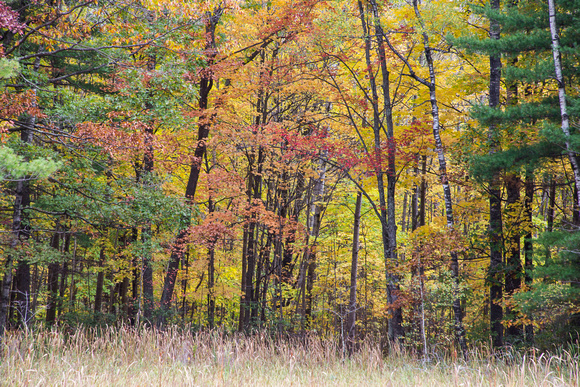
(124, 357)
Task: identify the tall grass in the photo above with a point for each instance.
(127, 357)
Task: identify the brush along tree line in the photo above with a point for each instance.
(405, 170)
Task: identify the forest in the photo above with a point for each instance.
(404, 172)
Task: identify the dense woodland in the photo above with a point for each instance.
(399, 170)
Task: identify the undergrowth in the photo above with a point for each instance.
(129, 357)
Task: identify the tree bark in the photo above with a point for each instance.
(147, 276)
(22, 280)
(432, 85)
(135, 307)
(386, 196)
(254, 194)
(314, 220)
(100, 283)
(495, 218)
(146, 232)
(211, 276)
(20, 233)
(351, 318)
(528, 246)
(64, 271)
(550, 213)
(423, 191)
(572, 156)
(513, 270)
(52, 281)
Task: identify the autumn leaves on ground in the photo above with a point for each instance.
(290, 192)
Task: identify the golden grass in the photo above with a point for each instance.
(126, 357)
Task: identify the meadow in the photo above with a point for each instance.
(128, 357)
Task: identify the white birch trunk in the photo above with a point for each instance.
(562, 95)
(458, 313)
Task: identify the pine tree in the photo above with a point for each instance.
(528, 125)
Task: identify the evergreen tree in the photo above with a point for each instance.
(529, 136)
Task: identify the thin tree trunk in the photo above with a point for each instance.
(100, 283)
(18, 229)
(262, 276)
(242, 318)
(415, 207)
(63, 275)
(135, 307)
(72, 287)
(211, 276)
(351, 319)
(404, 212)
(254, 194)
(266, 280)
(562, 97)
(431, 84)
(124, 296)
(386, 196)
(22, 198)
(52, 281)
(146, 233)
(513, 271)
(20, 233)
(204, 125)
(495, 218)
(393, 288)
(113, 290)
(418, 273)
(147, 276)
(22, 280)
(528, 246)
(210, 288)
(550, 213)
(314, 219)
(259, 267)
(423, 191)
(22, 289)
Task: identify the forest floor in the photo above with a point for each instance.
(125, 357)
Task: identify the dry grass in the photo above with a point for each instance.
(124, 357)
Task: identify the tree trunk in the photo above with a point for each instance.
(100, 283)
(495, 219)
(423, 191)
(147, 283)
(20, 233)
(418, 273)
(386, 196)
(52, 281)
(528, 246)
(457, 311)
(513, 270)
(63, 275)
(211, 277)
(124, 296)
(135, 307)
(204, 125)
(253, 192)
(404, 212)
(250, 268)
(146, 233)
(314, 219)
(550, 216)
(22, 280)
(351, 318)
(562, 98)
